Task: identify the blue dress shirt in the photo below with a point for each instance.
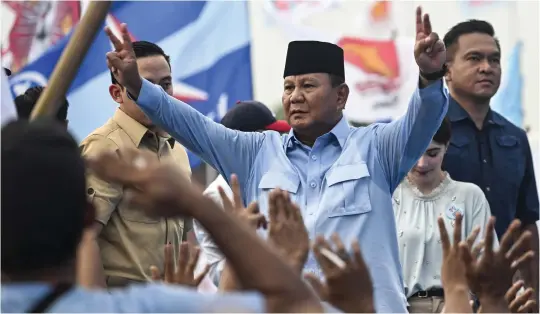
(343, 183)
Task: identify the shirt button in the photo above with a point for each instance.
(488, 189)
(313, 157)
(484, 161)
(313, 184)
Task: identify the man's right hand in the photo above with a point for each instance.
(122, 61)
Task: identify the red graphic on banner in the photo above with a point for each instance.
(38, 25)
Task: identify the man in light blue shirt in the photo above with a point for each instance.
(342, 177)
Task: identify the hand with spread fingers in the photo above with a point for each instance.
(251, 215)
(429, 50)
(122, 61)
(185, 270)
(348, 282)
(161, 189)
(520, 303)
(287, 231)
(490, 275)
(453, 278)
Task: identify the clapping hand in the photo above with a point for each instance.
(348, 282)
(185, 271)
(490, 274)
(250, 215)
(287, 231)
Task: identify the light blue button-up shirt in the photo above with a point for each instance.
(148, 298)
(343, 183)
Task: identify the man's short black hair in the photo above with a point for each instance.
(146, 49)
(43, 202)
(444, 133)
(26, 102)
(468, 27)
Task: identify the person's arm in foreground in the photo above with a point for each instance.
(402, 142)
(162, 192)
(226, 150)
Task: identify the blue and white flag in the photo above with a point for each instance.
(209, 46)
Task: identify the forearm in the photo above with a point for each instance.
(456, 300)
(226, 150)
(401, 143)
(90, 273)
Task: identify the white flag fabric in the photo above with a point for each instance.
(8, 112)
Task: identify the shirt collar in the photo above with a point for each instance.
(340, 132)
(457, 113)
(134, 129)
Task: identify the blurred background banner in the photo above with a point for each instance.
(209, 50)
(225, 51)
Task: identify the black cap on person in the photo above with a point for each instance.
(305, 57)
(253, 116)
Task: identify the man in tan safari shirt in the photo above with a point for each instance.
(129, 241)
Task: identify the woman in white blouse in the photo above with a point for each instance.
(424, 195)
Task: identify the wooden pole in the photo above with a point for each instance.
(71, 59)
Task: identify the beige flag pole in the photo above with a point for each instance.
(72, 57)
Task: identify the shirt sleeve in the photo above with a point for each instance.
(527, 205)
(105, 196)
(228, 151)
(160, 298)
(402, 142)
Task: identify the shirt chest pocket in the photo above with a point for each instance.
(511, 159)
(135, 214)
(347, 190)
(278, 180)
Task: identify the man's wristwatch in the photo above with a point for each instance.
(435, 75)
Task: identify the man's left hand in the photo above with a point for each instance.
(429, 50)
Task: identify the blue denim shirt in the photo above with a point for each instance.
(497, 159)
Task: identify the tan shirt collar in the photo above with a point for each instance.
(134, 129)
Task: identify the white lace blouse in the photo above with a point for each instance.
(416, 214)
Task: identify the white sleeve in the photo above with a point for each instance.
(9, 112)
(211, 254)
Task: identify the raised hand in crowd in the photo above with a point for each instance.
(250, 215)
(287, 231)
(489, 275)
(520, 302)
(453, 279)
(348, 284)
(184, 274)
(162, 190)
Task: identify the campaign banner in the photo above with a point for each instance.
(209, 51)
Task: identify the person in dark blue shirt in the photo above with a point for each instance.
(485, 148)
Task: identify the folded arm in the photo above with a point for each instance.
(401, 143)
